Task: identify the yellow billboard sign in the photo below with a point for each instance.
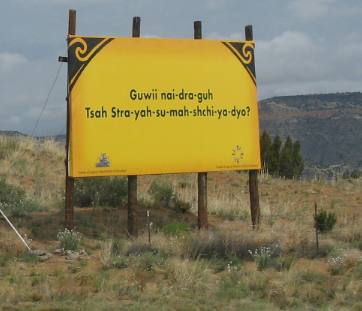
(153, 106)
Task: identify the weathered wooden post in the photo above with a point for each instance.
(201, 177)
(253, 174)
(69, 181)
(132, 180)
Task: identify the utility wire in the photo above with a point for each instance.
(47, 99)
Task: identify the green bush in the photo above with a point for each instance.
(120, 262)
(285, 263)
(164, 194)
(356, 174)
(148, 261)
(262, 257)
(324, 221)
(176, 229)
(13, 201)
(231, 287)
(226, 246)
(138, 248)
(69, 239)
(100, 191)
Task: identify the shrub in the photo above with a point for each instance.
(226, 246)
(285, 263)
(359, 269)
(106, 253)
(176, 229)
(13, 200)
(356, 174)
(120, 262)
(164, 194)
(336, 265)
(138, 248)
(231, 287)
(262, 257)
(100, 191)
(149, 260)
(191, 276)
(10, 194)
(181, 206)
(324, 221)
(111, 254)
(69, 239)
(117, 247)
(229, 212)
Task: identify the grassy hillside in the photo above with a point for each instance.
(182, 269)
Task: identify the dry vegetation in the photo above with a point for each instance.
(182, 269)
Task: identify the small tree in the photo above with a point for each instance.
(324, 221)
(298, 163)
(281, 159)
(286, 159)
(265, 149)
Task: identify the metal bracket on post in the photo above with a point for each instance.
(62, 59)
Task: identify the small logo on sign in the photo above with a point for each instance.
(237, 154)
(103, 161)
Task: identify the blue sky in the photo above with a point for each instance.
(302, 46)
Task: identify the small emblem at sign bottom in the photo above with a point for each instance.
(237, 154)
(103, 161)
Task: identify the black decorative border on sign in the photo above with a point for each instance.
(244, 52)
(81, 50)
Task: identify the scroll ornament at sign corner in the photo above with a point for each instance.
(81, 51)
(244, 52)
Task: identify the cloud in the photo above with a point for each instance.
(10, 60)
(215, 4)
(295, 63)
(311, 9)
(291, 56)
(316, 9)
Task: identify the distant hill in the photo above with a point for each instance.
(11, 133)
(328, 126)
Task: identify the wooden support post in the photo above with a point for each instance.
(69, 181)
(132, 180)
(253, 174)
(132, 205)
(254, 198)
(201, 177)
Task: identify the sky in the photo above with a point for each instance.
(302, 46)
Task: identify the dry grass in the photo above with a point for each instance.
(189, 271)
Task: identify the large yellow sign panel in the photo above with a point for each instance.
(152, 106)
